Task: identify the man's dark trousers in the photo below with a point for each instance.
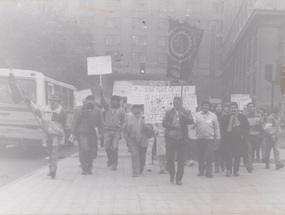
(88, 144)
(205, 155)
(234, 150)
(178, 146)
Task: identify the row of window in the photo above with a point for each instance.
(163, 5)
(240, 71)
(137, 41)
(241, 18)
(137, 58)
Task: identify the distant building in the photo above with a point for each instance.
(254, 36)
(136, 31)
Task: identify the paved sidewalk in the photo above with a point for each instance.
(116, 192)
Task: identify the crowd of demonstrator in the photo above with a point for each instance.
(221, 135)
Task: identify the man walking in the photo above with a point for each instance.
(175, 122)
(114, 120)
(254, 138)
(136, 134)
(54, 122)
(87, 120)
(208, 134)
(234, 131)
(273, 129)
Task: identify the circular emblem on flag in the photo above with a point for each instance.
(182, 44)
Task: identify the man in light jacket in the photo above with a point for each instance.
(207, 133)
(54, 122)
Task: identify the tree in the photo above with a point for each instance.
(39, 37)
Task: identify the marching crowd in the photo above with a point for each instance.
(223, 135)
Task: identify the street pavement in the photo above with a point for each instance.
(17, 161)
(116, 192)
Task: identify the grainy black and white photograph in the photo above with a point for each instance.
(142, 107)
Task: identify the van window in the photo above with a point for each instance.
(8, 95)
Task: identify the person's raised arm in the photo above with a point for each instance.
(103, 100)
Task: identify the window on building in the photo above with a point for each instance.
(254, 49)
(249, 53)
(166, 5)
(193, 6)
(139, 41)
(254, 84)
(139, 23)
(70, 99)
(162, 41)
(152, 57)
(140, 4)
(248, 84)
(113, 22)
(112, 40)
(138, 58)
(162, 58)
(113, 4)
(218, 7)
(64, 98)
(163, 24)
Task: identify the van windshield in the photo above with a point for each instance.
(7, 96)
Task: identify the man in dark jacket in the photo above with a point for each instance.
(88, 119)
(234, 131)
(176, 121)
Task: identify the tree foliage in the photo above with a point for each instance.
(41, 38)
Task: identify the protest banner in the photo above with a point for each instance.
(99, 66)
(241, 99)
(215, 101)
(136, 95)
(122, 88)
(133, 93)
(80, 95)
(158, 100)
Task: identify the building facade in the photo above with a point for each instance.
(254, 38)
(136, 31)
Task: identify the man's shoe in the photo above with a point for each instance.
(228, 174)
(162, 171)
(171, 179)
(209, 175)
(201, 174)
(109, 163)
(236, 174)
(249, 169)
(89, 172)
(148, 170)
(114, 168)
(279, 166)
(178, 182)
(83, 172)
(135, 175)
(52, 174)
(267, 166)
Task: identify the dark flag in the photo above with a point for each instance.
(184, 42)
(16, 92)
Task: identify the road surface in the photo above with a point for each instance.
(17, 161)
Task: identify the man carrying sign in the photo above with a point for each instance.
(176, 121)
(114, 121)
